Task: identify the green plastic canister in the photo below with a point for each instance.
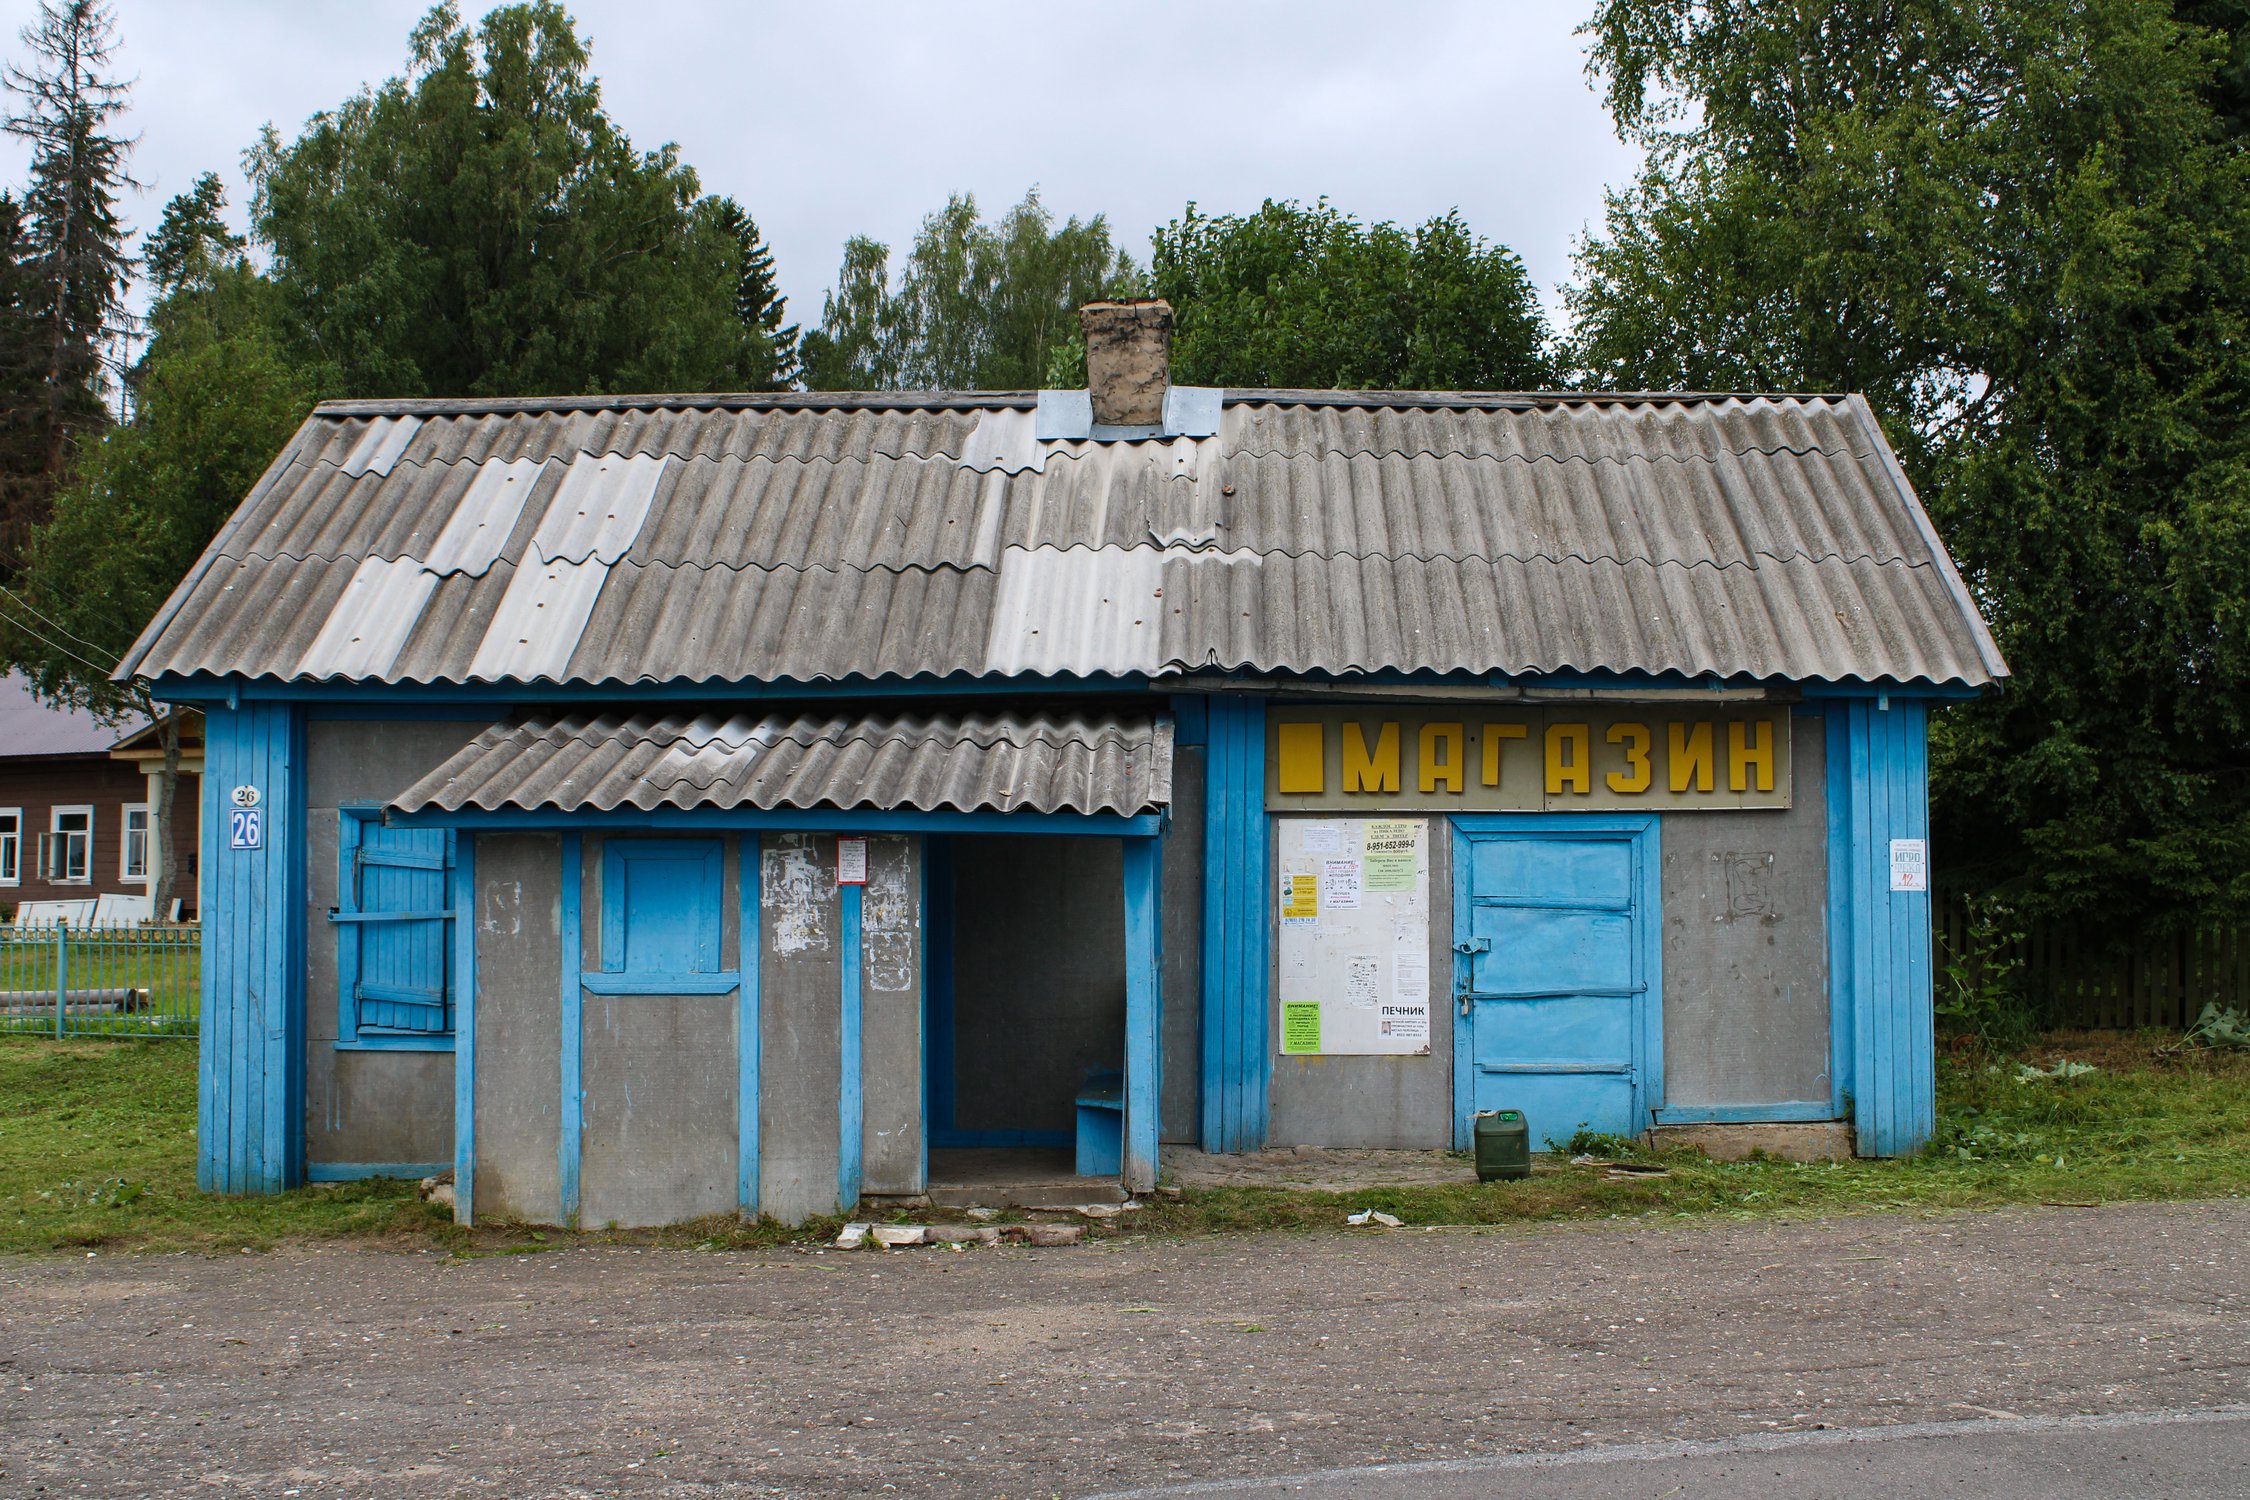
(1503, 1144)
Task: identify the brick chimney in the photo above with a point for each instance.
(1128, 360)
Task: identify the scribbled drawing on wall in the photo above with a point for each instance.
(887, 920)
(794, 889)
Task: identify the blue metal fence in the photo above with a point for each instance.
(59, 980)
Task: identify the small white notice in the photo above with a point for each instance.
(1363, 980)
(1910, 864)
(851, 861)
(1323, 838)
(1339, 884)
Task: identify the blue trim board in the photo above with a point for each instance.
(382, 1042)
(360, 1171)
(1645, 833)
(1237, 1067)
(1842, 1025)
(750, 940)
(1144, 1009)
(663, 820)
(1883, 954)
(465, 1035)
(571, 1123)
(251, 1050)
(851, 1141)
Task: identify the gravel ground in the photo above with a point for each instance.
(1013, 1372)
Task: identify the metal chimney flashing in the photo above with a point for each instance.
(1189, 411)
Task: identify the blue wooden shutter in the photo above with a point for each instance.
(394, 948)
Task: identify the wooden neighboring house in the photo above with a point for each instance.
(77, 807)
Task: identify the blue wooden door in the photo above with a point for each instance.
(1556, 973)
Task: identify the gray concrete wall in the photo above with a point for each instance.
(1038, 976)
(1745, 945)
(519, 1026)
(890, 1018)
(1375, 1102)
(659, 1143)
(1182, 930)
(388, 1107)
(799, 990)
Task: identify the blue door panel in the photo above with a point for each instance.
(1548, 952)
(1557, 1106)
(1554, 870)
(1576, 1029)
(1556, 925)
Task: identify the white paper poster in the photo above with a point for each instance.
(1353, 920)
(851, 861)
(1910, 864)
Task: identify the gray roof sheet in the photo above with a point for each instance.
(809, 538)
(1088, 763)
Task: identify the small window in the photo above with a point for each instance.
(394, 931)
(66, 850)
(11, 846)
(134, 866)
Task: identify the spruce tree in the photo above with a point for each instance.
(758, 301)
(73, 259)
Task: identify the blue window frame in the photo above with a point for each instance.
(394, 918)
(661, 923)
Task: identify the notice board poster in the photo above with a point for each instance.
(1351, 909)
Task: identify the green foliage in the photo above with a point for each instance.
(481, 226)
(69, 263)
(758, 302)
(217, 401)
(976, 306)
(191, 243)
(1312, 298)
(2215, 1027)
(1980, 996)
(2023, 229)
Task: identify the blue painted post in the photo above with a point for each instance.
(1879, 776)
(850, 1142)
(572, 1124)
(1237, 1065)
(749, 1048)
(62, 975)
(250, 1135)
(1144, 1010)
(465, 1029)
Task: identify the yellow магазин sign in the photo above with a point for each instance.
(1554, 758)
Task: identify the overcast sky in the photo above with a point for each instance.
(832, 119)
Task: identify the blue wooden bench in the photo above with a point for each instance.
(1101, 1123)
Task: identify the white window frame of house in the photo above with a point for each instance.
(125, 871)
(62, 838)
(11, 846)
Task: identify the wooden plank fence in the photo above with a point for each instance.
(2074, 980)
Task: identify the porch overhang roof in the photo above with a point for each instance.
(976, 762)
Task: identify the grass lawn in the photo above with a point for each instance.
(97, 1149)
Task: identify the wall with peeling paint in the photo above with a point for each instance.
(891, 1017)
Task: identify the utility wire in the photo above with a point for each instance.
(50, 622)
(57, 645)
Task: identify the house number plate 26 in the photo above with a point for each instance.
(246, 828)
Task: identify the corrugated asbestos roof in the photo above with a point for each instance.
(809, 538)
(968, 763)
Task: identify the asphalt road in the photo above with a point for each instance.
(2199, 1454)
(1535, 1361)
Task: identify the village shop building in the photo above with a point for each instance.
(657, 807)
